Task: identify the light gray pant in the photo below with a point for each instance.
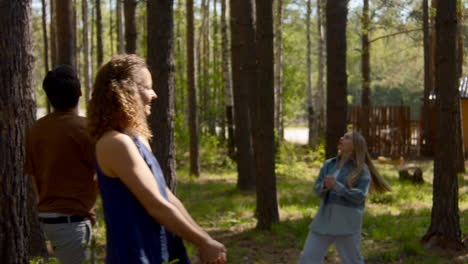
(70, 241)
(316, 246)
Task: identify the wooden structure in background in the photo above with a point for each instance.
(428, 141)
(390, 131)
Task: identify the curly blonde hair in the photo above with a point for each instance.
(116, 102)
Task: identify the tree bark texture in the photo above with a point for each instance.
(365, 56)
(311, 117)
(53, 35)
(130, 25)
(120, 27)
(192, 94)
(161, 64)
(46, 44)
(65, 37)
(279, 72)
(427, 140)
(227, 81)
(244, 73)
(86, 52)
(19, 224)
(445, 223)
(263, 116)
(321, 103)
(100, 52)
(337, 11)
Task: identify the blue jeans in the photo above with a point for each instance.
(70, 241)
(316, 246)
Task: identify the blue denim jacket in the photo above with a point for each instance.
(342, 208)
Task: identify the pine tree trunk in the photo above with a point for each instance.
(130, 26)
(65, 27)
(179, 103)
(100, 52)
(111, 29)
(444, 231)
(279, 72)
(336, 74)
(244, 71)
(365, 70)
(427, 140)
(227, 81)
(321, 103)
(161, 64)
(46, 44)
(216, 118)
(53, 35)
(264, 125)
(365, 55)
(460, 47)
(120, 27)
(192, 93)
(311, 117)
(86, 51)
(19, 225)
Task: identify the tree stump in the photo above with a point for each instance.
(412, 174)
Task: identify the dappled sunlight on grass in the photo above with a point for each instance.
(393, 223)
(392, 227)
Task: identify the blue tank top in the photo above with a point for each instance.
(133, 236)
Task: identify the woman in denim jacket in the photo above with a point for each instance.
(343, 184)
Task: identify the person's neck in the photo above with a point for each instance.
(344, 157)
(73, 110)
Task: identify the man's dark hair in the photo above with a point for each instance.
(62, 87)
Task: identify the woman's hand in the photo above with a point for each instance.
(329, 182)
(213, 252)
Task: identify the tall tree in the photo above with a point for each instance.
(279, 71)
(65, 32)
(19, 218)
(53, 35)
(46, 43)
(321, 68)
(161, 64)
(311, 117)
(120, 27)
(86, 51)
(444, 230)
(459, 132)
(192, 93)
(365, 69)
(337, 11)
(227, 81)
(100, 51)
(426, 146)
(263, 113)
(130, 26)
(365, 54)
(244, 74)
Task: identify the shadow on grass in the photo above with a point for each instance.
(392, 226)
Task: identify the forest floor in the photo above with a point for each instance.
(393, 223)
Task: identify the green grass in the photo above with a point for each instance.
(393, 223)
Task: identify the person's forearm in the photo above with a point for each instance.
(173, 219)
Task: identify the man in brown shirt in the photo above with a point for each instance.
(59, 157)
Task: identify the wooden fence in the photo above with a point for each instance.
(390, 131)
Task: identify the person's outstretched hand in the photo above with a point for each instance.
(213, 252)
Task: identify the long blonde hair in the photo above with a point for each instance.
(361, 156)
(116, 102)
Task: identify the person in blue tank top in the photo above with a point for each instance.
(145, 221)
(343, 184)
